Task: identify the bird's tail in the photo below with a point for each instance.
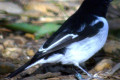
(27, 65)
(22, 68)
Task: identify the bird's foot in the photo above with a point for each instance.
(79, 77)
(91, 77)
(96, 76)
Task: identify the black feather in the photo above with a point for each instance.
(22, 68)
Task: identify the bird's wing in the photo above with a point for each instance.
(61, 40)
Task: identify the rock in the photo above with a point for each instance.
(44, 76)
(113, 13)
(28, 35)
(104, 64)
(112, 46)
(31, 78)
(30, 52)
(20, 40)
(48, 75)
(1, 36)
(70, 77)
(49, 19)
(12, 53)
(114, 24)
(10, 8)
(96, 79)
(42, 7)
(1, 47)
(32, 13)
(6, 67)
(9, 43)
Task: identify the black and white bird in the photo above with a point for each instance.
(77, 40)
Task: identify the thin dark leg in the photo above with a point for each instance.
(80, 77)
(77, 75)
(85, 71)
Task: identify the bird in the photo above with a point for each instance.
(81, 36)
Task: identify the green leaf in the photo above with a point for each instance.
(47, 28)
(23, 27)
(39, 31)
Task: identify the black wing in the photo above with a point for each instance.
(63, 39)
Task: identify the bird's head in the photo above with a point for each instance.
(97, 7)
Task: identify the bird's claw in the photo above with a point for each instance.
(79, 77)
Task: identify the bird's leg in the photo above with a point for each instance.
(80, 77)
(90, 76)
(77, 75)
(85, 71)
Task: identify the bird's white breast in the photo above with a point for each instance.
(82, 50)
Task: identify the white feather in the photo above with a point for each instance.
(82, 28)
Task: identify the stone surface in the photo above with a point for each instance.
(42, 7)
(28, 35)
(1, 47)
(10, 7)
(30, 52)
(12, 53)
(104, 64)
(20, 40)
(9, 43)
(112, 46)
(6, 67)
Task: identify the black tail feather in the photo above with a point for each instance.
(22, 68)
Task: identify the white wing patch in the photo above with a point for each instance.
(98, 20)
(58, 42)
(81, 28)
(94, 22)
